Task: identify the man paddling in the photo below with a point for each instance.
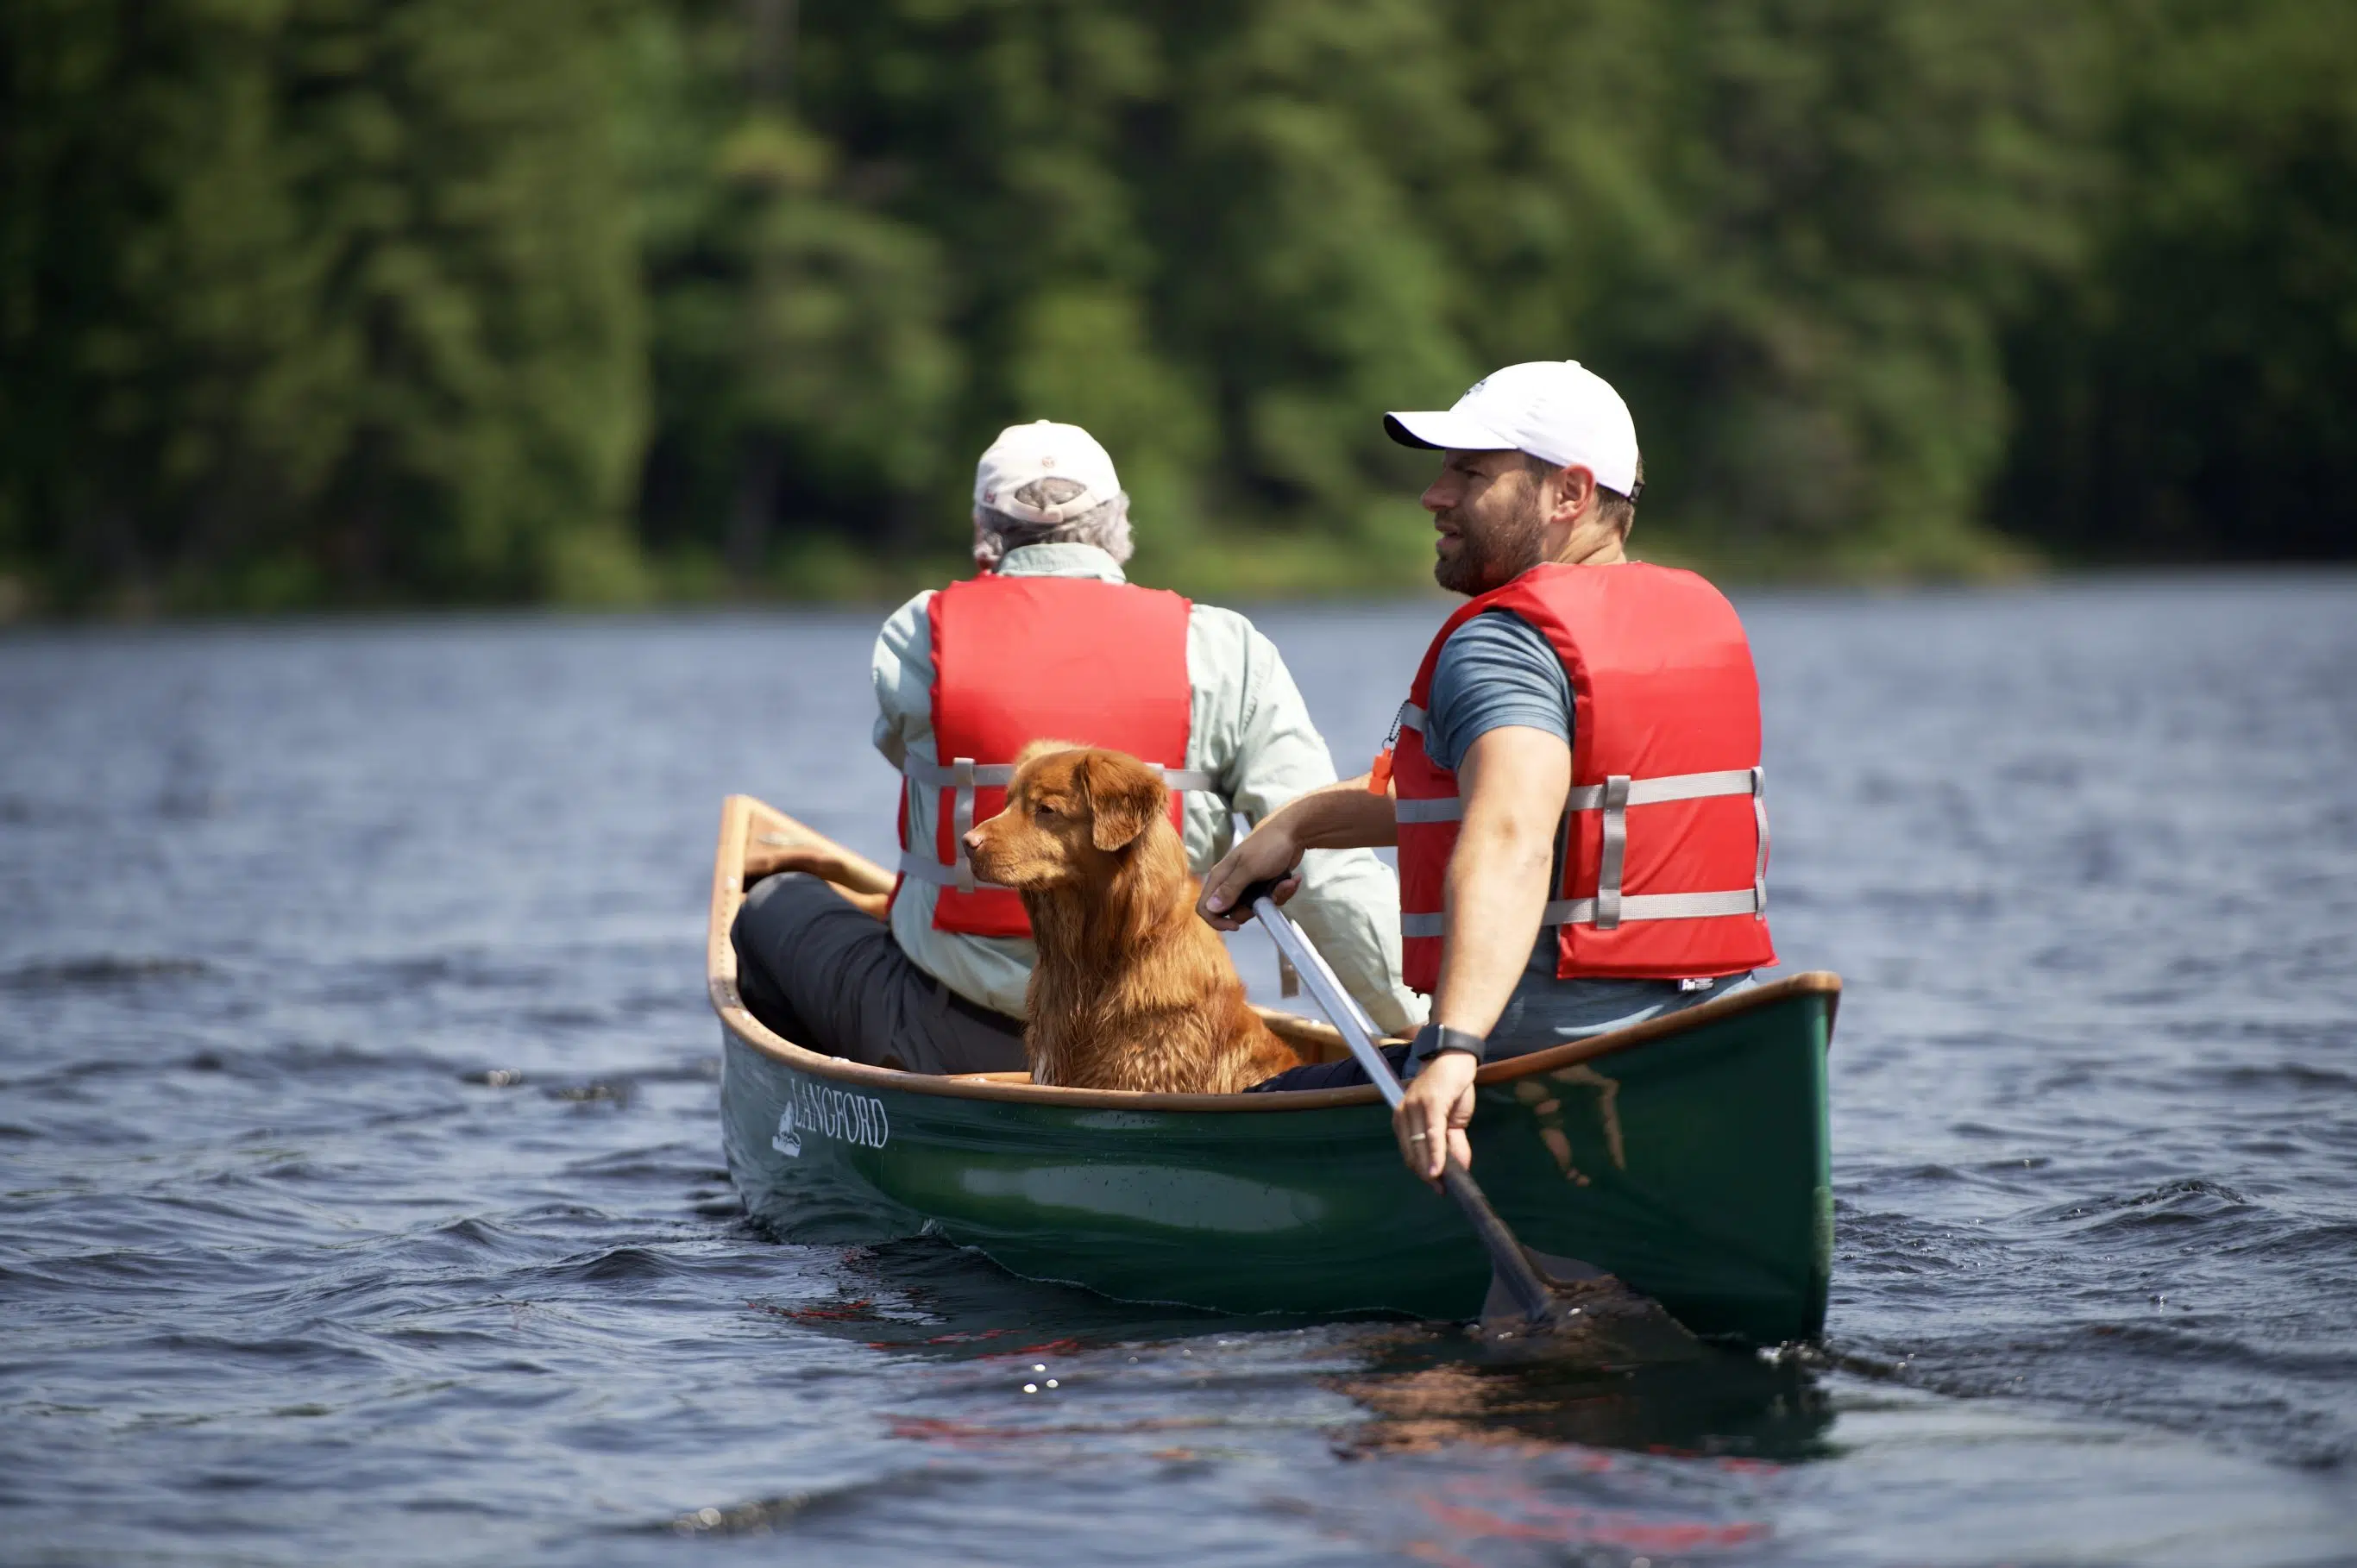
(1573, 785)
(1049, 640)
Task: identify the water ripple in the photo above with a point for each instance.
(361, 1196)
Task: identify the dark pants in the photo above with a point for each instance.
(831, 980)
(1333, 1075)
(1568, 1010)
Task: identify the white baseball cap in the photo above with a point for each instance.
(1044, 450)
(1558, 411)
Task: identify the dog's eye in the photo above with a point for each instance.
(1042, 810)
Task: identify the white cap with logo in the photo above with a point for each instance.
(1558, 411)
(1044, 450)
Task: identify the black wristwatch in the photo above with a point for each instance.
(1434, 1038)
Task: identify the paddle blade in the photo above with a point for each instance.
(1563, 1271)
(1589, 1314)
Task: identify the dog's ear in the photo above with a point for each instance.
(1123, 798)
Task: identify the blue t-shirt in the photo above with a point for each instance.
(1498, 671)
(1495, 671)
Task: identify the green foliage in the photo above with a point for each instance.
(307, 300)
(1802, 292)
(2193, 393)
(1225, 235)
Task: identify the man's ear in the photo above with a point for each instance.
(1124, 798)
(1574, 489)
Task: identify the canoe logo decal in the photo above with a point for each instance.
(813, 1110)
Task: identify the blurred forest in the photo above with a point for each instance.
(319, 302)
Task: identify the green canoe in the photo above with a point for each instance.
(1687, 1156)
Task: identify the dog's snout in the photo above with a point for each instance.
(972, 840)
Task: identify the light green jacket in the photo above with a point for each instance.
(1249, 729)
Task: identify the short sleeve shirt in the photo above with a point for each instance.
(1495, 671)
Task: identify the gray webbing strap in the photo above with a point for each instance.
(1654, 907)
(1760, 820)
(1590, 797)
(962, 779)
(1411, 718)
(1633, 906)
(925, 868)
(1615, 851)
(1671, 787)
(933, 776)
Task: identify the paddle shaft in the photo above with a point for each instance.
(1506, 1255)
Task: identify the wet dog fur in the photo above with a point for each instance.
(1132, 989)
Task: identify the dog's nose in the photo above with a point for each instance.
(973, 840)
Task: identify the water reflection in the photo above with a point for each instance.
(1426, 1388)
(1420, 1388)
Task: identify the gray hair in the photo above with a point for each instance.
(1106, 526)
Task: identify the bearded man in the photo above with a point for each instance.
(1575, 783)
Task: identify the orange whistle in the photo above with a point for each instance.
(1378, 777)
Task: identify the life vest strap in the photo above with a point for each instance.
(1672, 787)
(1619, 792)
(962, 774)
(1634, 907)
(1610, 907)
(1591, 797)
(1759, 862)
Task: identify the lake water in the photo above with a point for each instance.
(363, 1200)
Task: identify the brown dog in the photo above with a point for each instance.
(1133, 990)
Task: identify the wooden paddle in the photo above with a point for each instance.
(1530, 1293)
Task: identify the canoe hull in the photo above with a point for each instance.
(1693, 1163)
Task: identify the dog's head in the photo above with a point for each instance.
(1069, 814)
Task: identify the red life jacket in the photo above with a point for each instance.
(1664, 872)
(1022, 659)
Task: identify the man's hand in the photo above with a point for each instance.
(857, 878)
(824, 861)
(1267, 851)
(1431, 1119)
(1342, 815)
(1514, 779)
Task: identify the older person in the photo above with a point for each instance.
(1049, 640)
(1575, 790)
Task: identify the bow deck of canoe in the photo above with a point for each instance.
(1687, 1156)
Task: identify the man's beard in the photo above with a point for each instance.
(1495, 556)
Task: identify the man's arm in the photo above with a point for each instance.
(1514, 781)
(902, 671)
(1348, 905)
(1342, 815)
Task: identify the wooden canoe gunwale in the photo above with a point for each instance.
(741, 814)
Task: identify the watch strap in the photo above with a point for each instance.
(1434, 1038)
